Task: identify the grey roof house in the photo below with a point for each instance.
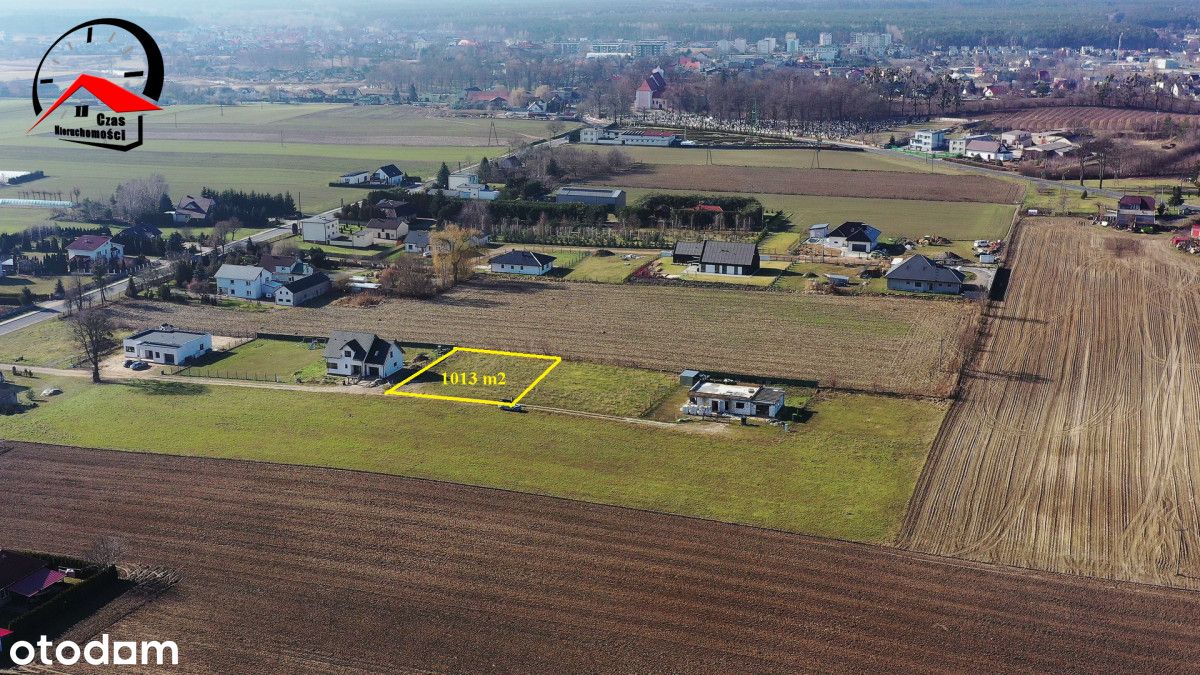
(522, 262)
(919, 274)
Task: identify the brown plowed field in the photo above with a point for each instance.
(880, 344)
(826, 182)
(1075, 446)
(288, 569)
(1096, 119)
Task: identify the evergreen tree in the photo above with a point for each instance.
(443, 177)
(26, 297)
(485, 170)
(59, 291)
(412, 92)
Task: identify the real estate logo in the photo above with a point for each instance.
(113, 69)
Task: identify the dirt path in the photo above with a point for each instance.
(1074, 447)
(295, 569)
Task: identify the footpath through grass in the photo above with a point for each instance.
(848, 472)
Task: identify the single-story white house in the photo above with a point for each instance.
(417, 241)
(319, 229)
(919, 274)
(716, 398)
(523, 262)
(388, 173)
(988, 151)
(167, 345)
(462, 179)
(300, 291)
(385, 230)
(244, 281)
(358, 354)
(352, 177)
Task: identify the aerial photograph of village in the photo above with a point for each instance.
(550, 336)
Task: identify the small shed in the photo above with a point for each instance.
(838, 279)
(690, 377)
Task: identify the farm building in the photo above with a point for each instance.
(855, 239)
(362, 355)
(23, 576)
(285, 268)
(193, 210)
(301, 291)
(319, 229)
(245, 281)
(921, 275)
(611, 197)
(93, 247)
(354, 177)
(716, 398)
(389, 174)
(523, 262)
(167, 345)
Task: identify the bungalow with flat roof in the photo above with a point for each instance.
(611, 197)
(167, 345)
(707, 398)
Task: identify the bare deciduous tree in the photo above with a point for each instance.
(92, 332)
(106, 550)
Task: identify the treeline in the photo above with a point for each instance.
(686, 212)
(44, 238)
(253, 209)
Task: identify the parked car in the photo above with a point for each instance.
(140, 365)
(518, 408)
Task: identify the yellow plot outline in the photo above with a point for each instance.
(395, 391)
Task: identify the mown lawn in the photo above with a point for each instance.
(610, 269)
(17, 219)
(766, 275)
(848, 472)
(794, 159)
(288, 360)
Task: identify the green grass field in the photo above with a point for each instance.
(848, 472)
(48, 343)
(796, 278)
(894, 217)
(17, 219)
(252, 157)
(40, 286)
(490, 377)
(288, 360)
(768, 272)
(796, 159)
(611, 269)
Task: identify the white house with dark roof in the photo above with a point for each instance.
(285, 268)
(245, 281)
(95, 247)
(355, 354)
(167, 345)
(417, 241)
(319, 229)
(988, 151)
(855, 239)
(919, 274)
(523, 262)
(389, 174)
(302, 290)
(385, 230)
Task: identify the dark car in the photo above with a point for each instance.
(518, 408)
(139, 365)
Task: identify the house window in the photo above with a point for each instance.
(129, 350)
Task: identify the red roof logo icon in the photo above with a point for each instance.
(116, 97)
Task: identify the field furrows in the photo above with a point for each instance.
(826, 182)
(309, 570)
(1096, 119)
(879, 344)
(1074, 447)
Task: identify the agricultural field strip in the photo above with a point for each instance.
(914, 345)
(825, 182)
(1072, 448)
(477, 579)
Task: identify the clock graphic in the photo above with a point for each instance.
(107, 64)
